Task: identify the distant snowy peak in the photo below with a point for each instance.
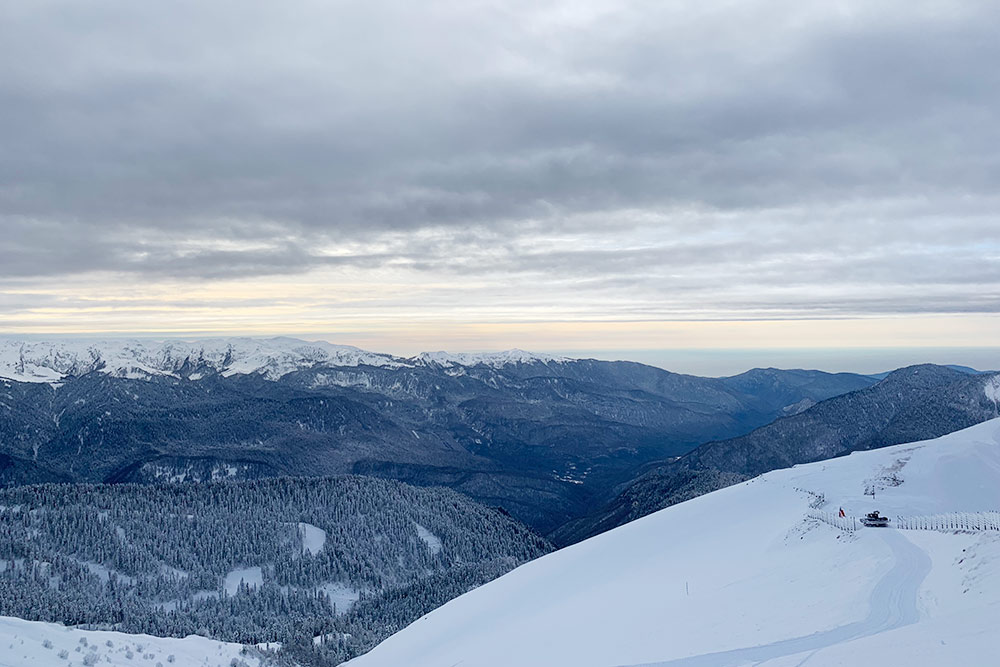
(54, 361)
(493, 359)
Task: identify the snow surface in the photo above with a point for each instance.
(54, 360)
(104, 573)
(313, 538)
(251, 576)
(342, 596)
(432, 541)
(993, 391)
(744, 576)
(34, 644)
(494, 359)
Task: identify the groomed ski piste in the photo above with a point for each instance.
(747, 576)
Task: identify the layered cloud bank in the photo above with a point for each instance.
(495, 162)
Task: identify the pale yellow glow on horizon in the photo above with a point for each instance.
(401, 312)
(407, 335)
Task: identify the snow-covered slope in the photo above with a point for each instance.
(993, 391)
(51, 361)
(745, 575)
(493, 359)
(32, 644)
(54, 360)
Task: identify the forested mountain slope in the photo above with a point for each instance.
(348, 560)
(544, 437)
(913, 403)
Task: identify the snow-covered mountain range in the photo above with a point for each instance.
(758, 573)
(541, 436)
(492, 359)
(55, 360)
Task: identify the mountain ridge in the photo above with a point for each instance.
(912, 403)
(56, 360)
(756, 574)
(540, 437)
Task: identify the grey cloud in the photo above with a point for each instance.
(133, 131)
(40, 248)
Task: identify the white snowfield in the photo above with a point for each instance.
(54, 360)
(313, 538)
(494, 359)
(744, 576)
(33, 644)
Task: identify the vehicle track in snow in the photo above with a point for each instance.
(893, 604)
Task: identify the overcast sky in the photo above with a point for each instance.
(486, 174)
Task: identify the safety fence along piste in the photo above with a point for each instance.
(968, 522)
(971, 522)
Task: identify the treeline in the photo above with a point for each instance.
(154, 559)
